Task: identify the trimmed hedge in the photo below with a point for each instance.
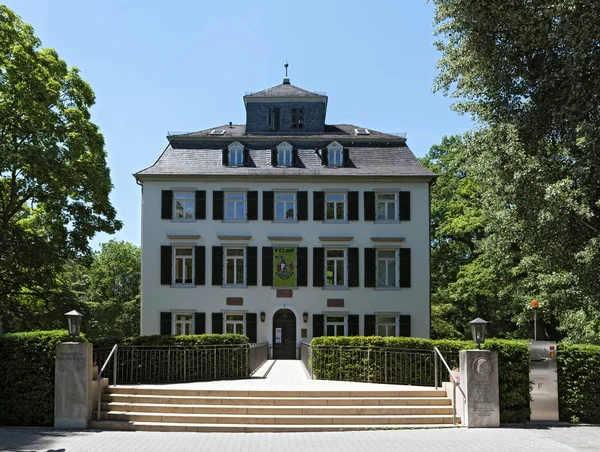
(578, 382)
(175, 359)
(27, 370)
(513, 362)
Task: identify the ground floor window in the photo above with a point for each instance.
(234, 323)
(335, 325)
(387, 325)
(183, 324)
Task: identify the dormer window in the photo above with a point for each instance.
(284, 154)
(236, 154)
(335, 154)
(297, 118)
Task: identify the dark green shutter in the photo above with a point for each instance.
(251, 327)
(268, 200)
(369, 199)
(246, 157)
(318, 206)
(353, 274)
(217, 205)
(200, 205)
(346, 157)
(404, 202)
(199, 323)
(353, 325)
(324, 157)
(302, 267)
(405, 326)
(295, 157)
(252, 266)
(405, 267)
(199, 266)
(267, 265)
(225, 156)
(318, 267)
(166, 210)
(302, 199)
(252, 205)
(369, 325)
(370, 267)
(353, 206)
(217, 323)
(217, 265)
(165, 323)
(318, 325)
(274, 157)
(165, 265)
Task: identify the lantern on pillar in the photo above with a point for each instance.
(74, 320)
(478, 329)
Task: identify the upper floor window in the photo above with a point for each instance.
(182, 324)
(236, 154)
(273, 118)
(284, 154)
(386, 206)
(335, 267)
(235, 268)
(184, 266)
(285, 206)
(235, 206)
(335, 154)
(184, 203)
(387, 268)
(335, 325)
(335, 206)
(297, 118)
(234, 323)
(387, 325)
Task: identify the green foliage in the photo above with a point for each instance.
(158, 340)
(54, 182)
(333, 362)
(578, 382)
(27, 369)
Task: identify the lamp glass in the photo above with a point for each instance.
(262, 316)
(305, 317)
(478, 330)
(74, 322)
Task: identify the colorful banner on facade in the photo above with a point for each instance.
(284, 267)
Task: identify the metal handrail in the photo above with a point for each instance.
(455, 383)
(99, 377)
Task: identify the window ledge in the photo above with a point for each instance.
(336, 288)
(387, 289)
(234, 286)
(183, 286)
(336, 221)
(183, 236)
(388, 239)
(284, 221)
(386, 222)
(183, 220)
(335, 239)
(285, 238)
(234, 221)
(233, 237)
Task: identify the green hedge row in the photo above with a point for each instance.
(579, 382)
(27, 370)
(174, 359)
(336, 363)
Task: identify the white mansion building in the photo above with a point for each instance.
(286, 228)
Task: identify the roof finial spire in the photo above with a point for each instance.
(286, 79)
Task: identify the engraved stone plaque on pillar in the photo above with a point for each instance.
(73, 385)
(479, 381)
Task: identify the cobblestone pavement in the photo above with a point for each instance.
(550, 439)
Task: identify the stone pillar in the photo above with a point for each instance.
(73, 385)
(479, 381)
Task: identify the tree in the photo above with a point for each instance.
(54, 182)
(529, 72)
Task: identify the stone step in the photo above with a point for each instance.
(277, 401)
(247, 428)
(161, 390)
(389, 420)
(273, 410)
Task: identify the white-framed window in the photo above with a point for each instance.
(297, 118)
(284, 154)
(234, 323)
(386, 206)
(335, 325)
(387, 268)
(335, 267)
(335, 206)
(285, 206)
(335, 154)
(236, 154)
(182, 324)
(235, 206)
(387, 325)
(184, 205)
(235, 266)
(183, 261)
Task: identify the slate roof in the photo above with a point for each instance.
(364, 161)
(285, 90)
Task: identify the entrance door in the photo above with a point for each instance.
(284, 334)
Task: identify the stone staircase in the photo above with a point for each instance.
(175, 409)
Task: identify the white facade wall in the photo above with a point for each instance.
(157, 298)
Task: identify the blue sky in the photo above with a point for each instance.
(159, 66)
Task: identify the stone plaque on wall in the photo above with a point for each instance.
(235, 301)
(285, 293)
